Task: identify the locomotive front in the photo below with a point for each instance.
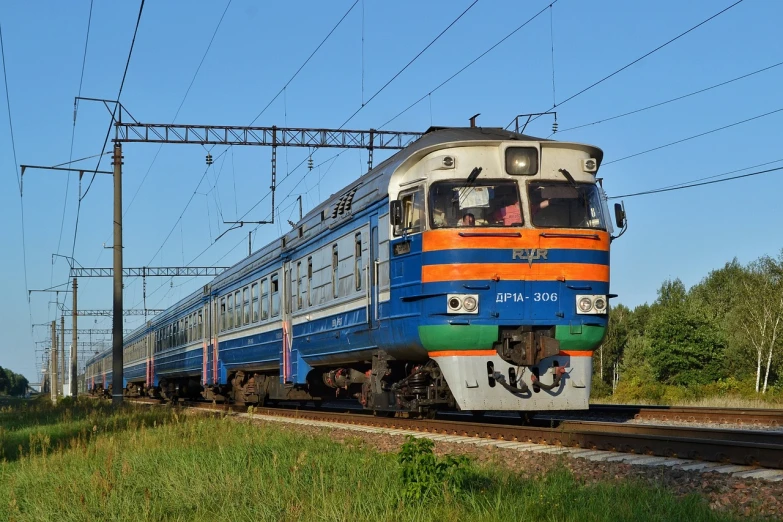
(509, 239)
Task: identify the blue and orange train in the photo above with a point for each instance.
(470, 270)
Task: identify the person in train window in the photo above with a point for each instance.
(509, 214)
(439, 218)
(468, 220)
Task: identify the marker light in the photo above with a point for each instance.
(469, 303)
(585, 304)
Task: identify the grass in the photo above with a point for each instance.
(725, 393)
(144, 464)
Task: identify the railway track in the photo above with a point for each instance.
(753, 417)
(728, 446)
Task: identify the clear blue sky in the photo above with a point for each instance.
(259, 45)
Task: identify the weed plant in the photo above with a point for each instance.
(164, 465)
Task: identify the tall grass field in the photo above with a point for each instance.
(86, 461)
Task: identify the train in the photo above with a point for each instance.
(468, 271)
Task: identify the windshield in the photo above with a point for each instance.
(562, 205)
(485, 203)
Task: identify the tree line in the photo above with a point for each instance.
(12, 383)
(726, 329)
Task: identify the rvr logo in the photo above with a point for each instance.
(530, 254)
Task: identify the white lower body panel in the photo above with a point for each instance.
(468, 379)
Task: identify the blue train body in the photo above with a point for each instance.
(384, 294)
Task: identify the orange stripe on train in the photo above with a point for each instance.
(528, 238)
(515, 272)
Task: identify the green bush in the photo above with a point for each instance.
(599, 389)
(424, 475)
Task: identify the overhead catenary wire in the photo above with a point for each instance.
(73, 137)
(722, 174)
(176, 114)
(721, 84)
(637, 60)
(691, 185)
(305, 63)
(281, 91)
(108, 131)
(181, 104)
(509, 35)
(444, 31)
(692, 137)
(18, 175)
(552, 41)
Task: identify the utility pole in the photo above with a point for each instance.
(117, 377)
(74, 343)
(63, 371)
(53, 363)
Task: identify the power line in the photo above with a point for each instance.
(18, 175)
(672, 99)
(410, 62)
(723, 174)
(73, 128)
(282, 89)
(624, 67)
(657, 191)
(187, 91)
(305, 63)
(73, 136)
(108, 131)
(693, 137)
(116, 105)
(509, 35)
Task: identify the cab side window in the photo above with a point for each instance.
(412, 212)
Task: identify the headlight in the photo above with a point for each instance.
(522, 161)
(462, 303)
(591, 304)
(585, 304)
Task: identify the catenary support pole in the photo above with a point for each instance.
(74, 343)
(63, 371)
(117, 377)
(53, 363)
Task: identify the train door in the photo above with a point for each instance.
(372, 267)
(286, 370)
(216, 316)
(206, 335)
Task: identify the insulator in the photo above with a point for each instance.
(209, 159)
(554, 127)
(310, 163)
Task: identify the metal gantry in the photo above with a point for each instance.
(127, 312)
(262, 136)
(151, 271)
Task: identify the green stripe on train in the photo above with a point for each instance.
(442, 337)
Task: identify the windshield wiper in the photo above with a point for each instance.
(473, 175)
(469, 181)
(567, 175)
